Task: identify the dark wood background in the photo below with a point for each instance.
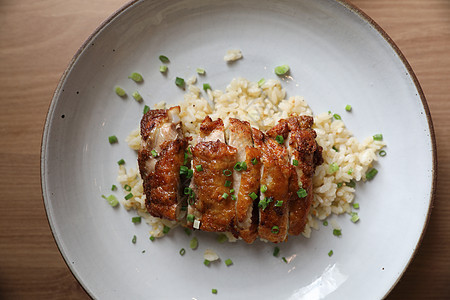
(37, 41)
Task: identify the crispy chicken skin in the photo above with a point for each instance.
(273, 219)
(161, 131)
(246, 181)
(302, 147)
(215, 211)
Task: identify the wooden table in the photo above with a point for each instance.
(37, 41)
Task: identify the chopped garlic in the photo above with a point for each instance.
(233, 55)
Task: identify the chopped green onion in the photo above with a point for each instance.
(227, 183)
(284, 259)
(199, 168)
(137, 96)
(187, 191)
(335, 149)
(114, 187)
(193, 244)
(275, 229)
(200, 71)
(225, 196)
(350, 172)
(189, 150)
(240, 166)
(133, 240)
(348, 107)
(279, 139)
(164, 59)
(333, 168)
(127, 188)
(371, 173)
(190, 218)
(231, 191)
(276, 251)
(206, 262)
(166, 229)
(227, 172)
(190, 173)
(113, 139)
(339, 184)
(214, 291)
(337, 117)
(325, 223)
(295, 162)
(302, 193)
(186, 158)
(191, 200)
(206, 87)
(382, 153)
(378, 137)
(261, 82)
(179, 82)
(279, 203)
(253, 195)
(136, 220)
(233, 197)
(222, 238)
(281, 70)
(355, 217)
(263, 203)
(254, 161)
(112, 200)
(187, 231)
(182, 251)
(152, 238)
(330, 253)
(183, 170)
(129, 196)
(355, 205)
(337, 232)
(163, 69)
(121, 162)
(136, 77)
(263, 189)
(146, 109)
(120, 91)
(351, 183)
(228, 262)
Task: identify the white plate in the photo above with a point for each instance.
(337, 56)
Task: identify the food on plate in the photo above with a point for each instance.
(252, 183)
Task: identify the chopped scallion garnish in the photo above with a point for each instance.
(187, 191)
(137, 96)
(146, 109)
(199, 168)
(295, 162)
(253, 195)
(164, 59)
(233, 197)
(200, 71)
(351, 183)
(206, 262)
(190, 173)
(355, 217)
(182, 251)
(330, 253)
(355, 205)
(183, 170)
(121, 162)
(133, 240)
(120, 91)
(193, 244)
(128, 196)
(166, 229)
(190, 218)
(284, 259)
(163, 69)
(279, 203)
(276, 251)
(382, 153)
(114, 187)
(348, 107)
(279, 139)
(214, 291)
(152, 238)
(325, 223)
(112, 200)
(206, 87)
(339, 184)
(136, 220)
(333, 168)
(224, 195)
(378, 137)
(231, 191)
(261, 82)
(254, 161)
(227, 172)
(263, 188)
(179, 82)
(240, 166)
(371, 173)
(227, 183)
(281, 70)
(221, 238)
(228, 262)
(335, 149)
(113, 139)
(302, 193)
(337, 232)
(127, 188)
(275, 229)
(337, 117)
(136, 77)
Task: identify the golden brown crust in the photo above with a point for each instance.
(208, 126)
(217, 213)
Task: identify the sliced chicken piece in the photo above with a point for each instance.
(246, 181)
(305, 154)
(213, 161)
(160, 169)
(274, 202)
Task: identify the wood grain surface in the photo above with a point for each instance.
(37, 41)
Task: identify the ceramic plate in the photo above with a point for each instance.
(337, 56)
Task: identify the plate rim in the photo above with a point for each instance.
(345, 4)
